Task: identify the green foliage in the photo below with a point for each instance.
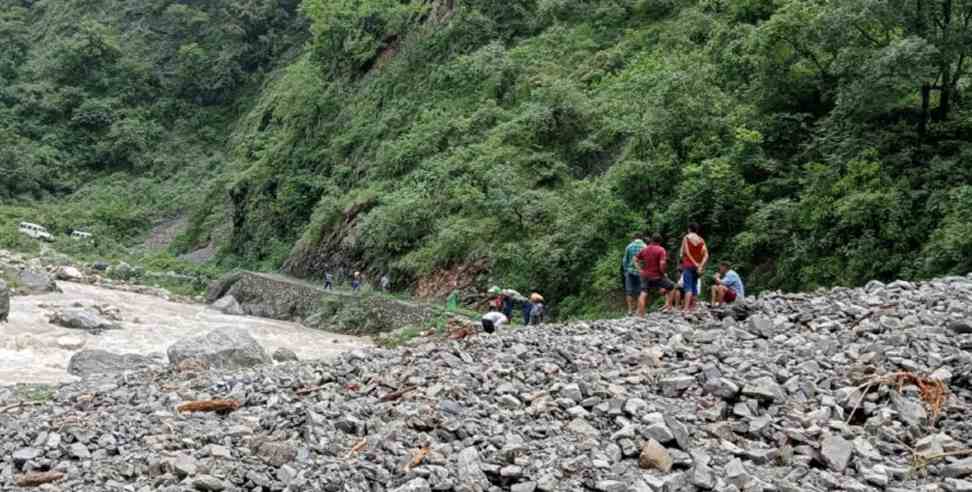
(529, 136)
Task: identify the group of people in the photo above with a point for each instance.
(644, 267)
(357, 280)
(502, 305)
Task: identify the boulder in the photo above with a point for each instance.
(4, 301)
(221, 349)
(35, 282)
(284, 355)
(89, 362)
(228, 305)
(82, 319)
(69, 273)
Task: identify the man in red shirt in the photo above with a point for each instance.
(653, 262)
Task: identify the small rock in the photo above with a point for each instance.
(655, 456)
(835, 452)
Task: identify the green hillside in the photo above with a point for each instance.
(818, 143)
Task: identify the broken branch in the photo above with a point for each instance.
(357, 447)
(394, 395)
(33, 479)
(221, 406)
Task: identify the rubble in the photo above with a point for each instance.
(825, 391)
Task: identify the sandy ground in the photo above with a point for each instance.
(30, 353)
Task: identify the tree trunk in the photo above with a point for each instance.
(925, 98)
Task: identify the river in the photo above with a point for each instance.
(30, 353)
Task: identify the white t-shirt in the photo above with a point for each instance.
(496, 317)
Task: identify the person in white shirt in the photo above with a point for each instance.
(493, 320)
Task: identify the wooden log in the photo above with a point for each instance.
(34, 479)
(222, 406)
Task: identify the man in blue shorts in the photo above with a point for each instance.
(632, 277)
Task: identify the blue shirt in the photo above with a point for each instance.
(735, 283)
(629, 255)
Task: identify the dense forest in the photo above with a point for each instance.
(818, 142)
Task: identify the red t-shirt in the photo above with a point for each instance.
(651, 259)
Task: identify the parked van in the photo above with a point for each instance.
(35, 231)
(80, 235)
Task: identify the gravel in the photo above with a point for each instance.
(782, 393)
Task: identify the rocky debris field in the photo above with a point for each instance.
(847, 389)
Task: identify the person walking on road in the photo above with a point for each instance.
(328, 281)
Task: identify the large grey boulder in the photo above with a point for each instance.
(89, 362)
(82, 319)
(34, 282)
(4, 301)
(221, 348)
(228, 305)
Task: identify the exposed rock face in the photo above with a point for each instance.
(82, 319)
(792, 402)
(276, 297)
(90, 362)
(4, 301)
(222, 348)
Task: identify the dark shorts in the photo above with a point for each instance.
(730, 296)
(632, 284)
(690, 280)
(650, 284)
(488, 326)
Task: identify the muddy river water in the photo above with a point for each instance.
(35, 351)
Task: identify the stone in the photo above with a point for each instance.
(182, 465)
(276, 453)
(674, 386)
(35, 282)
(69, 273)
(635, 406)
(655, 456)
(79, 451)
(418, 484)
(582, 427)
(82, 319)
(284, 355)
(469, 471)
(957, 485)
(571, 392)
(221, 348)
(523, 487)
(835, 452)
(23, 455)
(90, 362)
(286, 474)
(4, 301)
(764, 389)
(228, 305)
(208, 483)
(958, 469)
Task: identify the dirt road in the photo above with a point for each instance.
(34, 351)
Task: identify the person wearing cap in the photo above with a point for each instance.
(537, 310)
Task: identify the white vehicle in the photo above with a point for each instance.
(35, 231)
(80, 235)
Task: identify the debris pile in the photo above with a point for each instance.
(847, 389)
